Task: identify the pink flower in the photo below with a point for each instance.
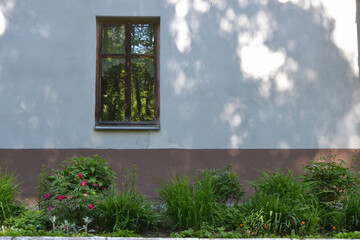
(91, 206)
(83, 183)
(101, 188)
(51, 208)
(95, 185)
(61, 197)
(47, 195)
(80, 175)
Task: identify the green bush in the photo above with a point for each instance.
(127, 209)
(331, 180)
(229, 217)
(30, 221)
(350, 217)
(9, 186)
(225, 184)
(283, 184)
(189, 206)
(77, 189)
(280, 205)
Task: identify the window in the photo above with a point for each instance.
(127, 73)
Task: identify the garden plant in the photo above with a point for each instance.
(80, 198)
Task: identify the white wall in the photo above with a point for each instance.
(234, 74)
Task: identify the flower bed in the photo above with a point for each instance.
(82, 199)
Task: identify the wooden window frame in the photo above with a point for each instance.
(127, 124)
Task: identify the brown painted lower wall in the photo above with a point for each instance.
(155, 164)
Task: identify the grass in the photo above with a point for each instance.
(9, 186)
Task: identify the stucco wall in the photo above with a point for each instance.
(233, 74)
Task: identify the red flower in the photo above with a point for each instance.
(47, 195)
(91, 206)
(241, 225)
(51, 208)
(80, 175)
(333, 228)
(61, 197)
(265, 226)
(83, 183)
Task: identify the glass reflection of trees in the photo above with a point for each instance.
(142, 73)
(113, 39)
(113, 92)
(142, 95)
(142, 39)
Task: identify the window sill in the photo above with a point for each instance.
(125, 127)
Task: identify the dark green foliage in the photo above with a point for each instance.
(350, 217)
(281, 204)
(210, 232)
(76, 190)
(229, 217)
(189, 206)
(127, 209)
(225, 184)
(30, 221)
(283, 184)
(44, 186)
(331, 180)
(9, 186)
(348, 235)
(271, 213)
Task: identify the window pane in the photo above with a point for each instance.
(142, 89)
(142, 39)
(113, 89)
(113, 39)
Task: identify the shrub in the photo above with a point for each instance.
(281, 205)
(128, 209)
(229, 217)
(9, 186)
(30, 221)
(350, 217)
(272, 213)
(225, 184)
(77, 189)
(283, 184)
(331, 180)
(189, 206)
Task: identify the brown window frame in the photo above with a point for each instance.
(127, 124)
